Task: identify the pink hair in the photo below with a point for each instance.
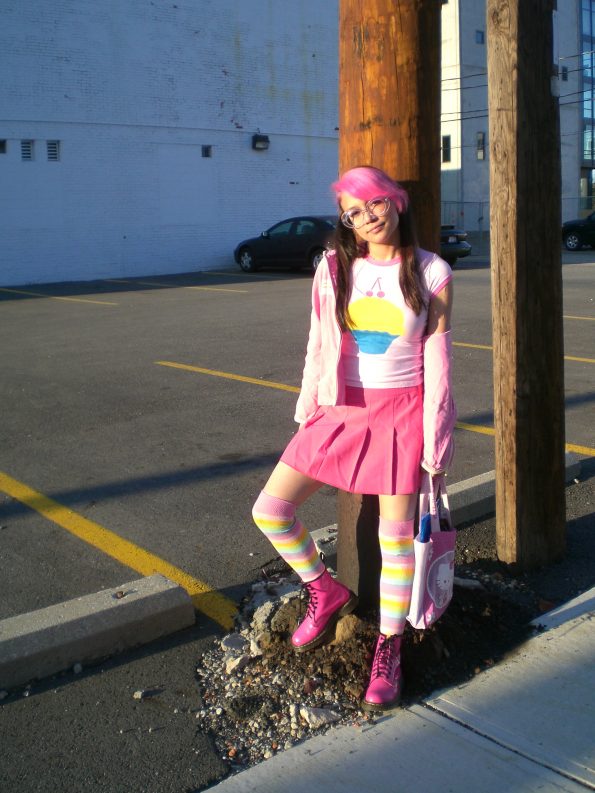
(366, 182)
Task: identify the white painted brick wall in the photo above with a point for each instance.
(132, 91)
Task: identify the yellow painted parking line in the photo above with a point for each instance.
(570, 447)
(229, 376)
(473, 346)
(489, 347)
(573, 447)
(206, 600)
(55, 297)
(588, 319)
(178, 286)
(218, 289)
(475, 428)
(582, 360)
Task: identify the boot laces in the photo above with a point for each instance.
(312, 595)
(386, 657)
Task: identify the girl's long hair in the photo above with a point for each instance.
(366, 182)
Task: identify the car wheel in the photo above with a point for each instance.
(246, 261)
(451, 261)
(316, 258)
(572, 241)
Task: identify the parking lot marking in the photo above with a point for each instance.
(461, 425)
(489, 347)
(473, 346)
(570, 447)
(178, 286)
(205, 599)
(55, 297)
(582, 360)
(229, 376)
(587, 319)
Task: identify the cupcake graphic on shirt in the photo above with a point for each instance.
(376, 323)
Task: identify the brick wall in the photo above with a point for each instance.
(133, 91)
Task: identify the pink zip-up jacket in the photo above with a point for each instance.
(323, 383)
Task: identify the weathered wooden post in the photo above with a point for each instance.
(526, 282)
(389, 116)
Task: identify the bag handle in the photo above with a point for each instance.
(439, 492)
(431, 489)
(427, 500)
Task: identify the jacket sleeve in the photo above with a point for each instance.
(438, 406)
(308, 399)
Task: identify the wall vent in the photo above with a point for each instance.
(53, 150)
(26, 150)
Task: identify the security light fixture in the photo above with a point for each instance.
(260, 142)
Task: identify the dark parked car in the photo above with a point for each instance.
(301, 241)
(295, 242)
(576, 233)
(453, 244)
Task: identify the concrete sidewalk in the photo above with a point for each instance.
(527, 724)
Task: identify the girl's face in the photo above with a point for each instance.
(376, 228)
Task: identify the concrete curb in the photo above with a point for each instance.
(50, 640)
(470, 499)
(41, 643)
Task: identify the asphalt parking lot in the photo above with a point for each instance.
(154, 409)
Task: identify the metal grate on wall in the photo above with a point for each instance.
(26, 150)
(53, 150)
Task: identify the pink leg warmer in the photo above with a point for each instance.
(276, 519)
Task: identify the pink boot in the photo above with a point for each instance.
(329, 600)
(386, 681)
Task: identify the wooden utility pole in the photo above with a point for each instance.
(389, 116)
(526, 282)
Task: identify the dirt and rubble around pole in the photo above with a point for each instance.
(260, 697)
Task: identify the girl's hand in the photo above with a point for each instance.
(432, 471)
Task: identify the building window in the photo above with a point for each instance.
(481, 145)
(479, 37)
(2, 147)
(53, 150)
(26, 150)
(207, 151)
(446, 148)
(565, 74)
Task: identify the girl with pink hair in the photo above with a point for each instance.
(375, 408)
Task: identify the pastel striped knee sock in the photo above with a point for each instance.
(396, 578)
(276, 519)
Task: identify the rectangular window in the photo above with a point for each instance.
(26, 150)
(53, 150)
(446, 148)
(2, 147)
(479, 37)
(207, 151)
(481, 145)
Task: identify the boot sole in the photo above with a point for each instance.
(350, 606)
(375, 707)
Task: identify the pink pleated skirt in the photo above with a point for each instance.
(372, 444)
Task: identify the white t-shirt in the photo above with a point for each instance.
(383, 348)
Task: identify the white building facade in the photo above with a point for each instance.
(464, 119)
(126, 131)
(127, 128)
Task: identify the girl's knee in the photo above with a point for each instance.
(269, 507)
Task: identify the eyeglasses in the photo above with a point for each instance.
(375, 207)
